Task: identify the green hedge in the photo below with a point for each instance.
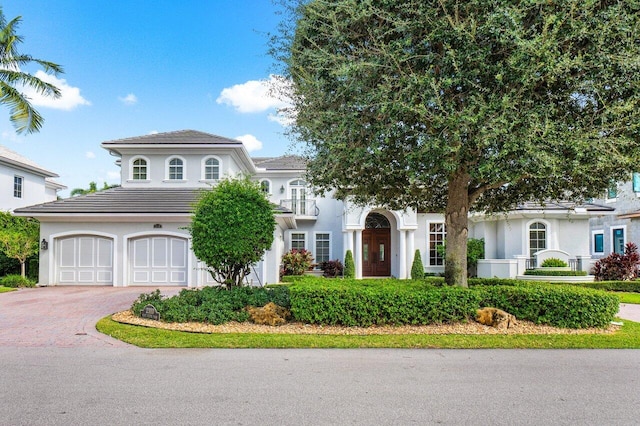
(556, 273)
(15, 281)
(214, 305)
(368, 302)
(629, 286)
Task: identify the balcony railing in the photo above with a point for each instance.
(301, 208)
(574, 264)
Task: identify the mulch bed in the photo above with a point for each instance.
(522, 327)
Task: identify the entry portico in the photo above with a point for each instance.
(382, 241)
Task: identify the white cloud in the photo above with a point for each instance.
(130, 99)
(250, 142)
(255, 95)
(153, 132)
(11, 136)
(113, 175)
(69, 99)
(90, 154)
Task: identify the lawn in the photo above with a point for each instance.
(629, 297)
(628, 337)
(6, 289)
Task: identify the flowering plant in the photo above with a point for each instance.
(295, 262)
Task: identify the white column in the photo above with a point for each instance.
(411, 248)
(402, 243)
(357, 254)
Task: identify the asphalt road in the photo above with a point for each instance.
(127, 385)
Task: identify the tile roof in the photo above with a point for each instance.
(12, 157)
(177, 137)
(286, 162)
(123, 201)
(563, 205)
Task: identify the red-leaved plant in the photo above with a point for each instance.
(618, 267)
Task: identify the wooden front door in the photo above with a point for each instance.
(376, 253)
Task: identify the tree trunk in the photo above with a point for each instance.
(23, 268)
(456, 222)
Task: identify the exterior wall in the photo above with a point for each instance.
(626, 201)
(33, 188)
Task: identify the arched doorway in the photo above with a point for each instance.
(376, 244)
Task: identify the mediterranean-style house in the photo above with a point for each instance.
(23, 182)
(136, 234)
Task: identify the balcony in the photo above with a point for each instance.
(302, 209)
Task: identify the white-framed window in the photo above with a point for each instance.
(618, 239)
(435, 237)
(597, 241)
(175, 168)
(18, 184)
(139, 168)
(298, 241)
(298, 193)
(265, 185)
(211, 168)
(537, 237)
(635, 183)
(322, 251)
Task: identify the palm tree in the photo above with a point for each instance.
(22, 115)
(93, 187)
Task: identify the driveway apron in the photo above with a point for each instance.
(64, 316)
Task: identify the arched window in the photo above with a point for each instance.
(537, 237)
(265, 185)
(139, 169)
(175, 169)
(211, 169)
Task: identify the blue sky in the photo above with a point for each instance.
(133, 67)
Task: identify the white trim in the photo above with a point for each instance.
(428, 240)
(130, 175)
(203, 168)
(166, 168)
(79, 233)
(624, 234)
(547, 234)
(315, 241)
(592, 243)
(306, 238)
(125, 251)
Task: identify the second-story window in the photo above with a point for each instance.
(265, 185)
(175, 169)
(212, 169)
(17, 186)
(139, 169)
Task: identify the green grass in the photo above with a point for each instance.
(629, 297)
(628, 337)
(6, 289)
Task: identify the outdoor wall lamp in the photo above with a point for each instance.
(44, 245)
(282, 189)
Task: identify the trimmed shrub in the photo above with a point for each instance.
(554, 262)
(15, 281)
(364, 303)
(556, 273)
(349, 266)
(331, 268)
(214, 305)
(627, 286)
(556, 305)
(417, 268)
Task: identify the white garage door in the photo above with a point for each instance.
(158, 260)
(84, 260)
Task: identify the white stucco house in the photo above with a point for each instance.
(135, 234)
(23, 182)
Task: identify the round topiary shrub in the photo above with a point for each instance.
(554, 262)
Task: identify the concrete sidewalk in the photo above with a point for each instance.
(629, 312)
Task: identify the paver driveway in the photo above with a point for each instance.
(63, 316)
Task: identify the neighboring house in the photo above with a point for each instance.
(610, 233)
(23, 182)
(136, 234)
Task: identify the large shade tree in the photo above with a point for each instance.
(13, 80)
(451, 106)
(231, 228)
